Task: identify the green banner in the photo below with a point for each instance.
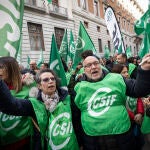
(41, 59)
(71, 46)
(83, 43)
(106, 52)
(143, 24)
(56, 63)
(64, 47)
(145, 46)
(128, 52)
(11, 14)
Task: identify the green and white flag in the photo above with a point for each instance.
(63, 51)
(41, 59)
(143, 24)
(11, 14)
(71, 46)
(19, 55)
(128, 52)
(106, 52)
(55, 62)
(145, 46)
(83, 43)
(114, 30)
(49, 1)
(28, 61)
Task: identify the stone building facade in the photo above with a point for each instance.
(41, 20)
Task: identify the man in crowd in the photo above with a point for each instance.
(103, 121)
(122, 59)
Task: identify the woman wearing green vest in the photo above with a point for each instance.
(15, 131)
(50, 111)
(100, 103)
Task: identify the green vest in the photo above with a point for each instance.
(131, 104)
(102, 106)
(145, 128)
(15, 128)
(131, 68)
(59, 129)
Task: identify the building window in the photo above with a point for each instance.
(107, 32)
(105, 7)
(59, 33)
(86, 24)
(100, 45)
(31, 2)
(83, 4)
(124, 24)
(96, 7)
(98, 29)
(55, 2)
(128, 26)
(36, 36)
(125, 38)
(109, 45)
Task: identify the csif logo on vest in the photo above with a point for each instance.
(97, 102)
(62, 129)
(8, 122)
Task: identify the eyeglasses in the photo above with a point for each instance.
(48, 79)
(96, 63)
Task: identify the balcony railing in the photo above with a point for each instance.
(32, 4)
(58, 11)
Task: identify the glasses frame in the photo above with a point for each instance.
(46, 80)
(89, 65)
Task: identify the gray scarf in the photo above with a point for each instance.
(50, 101)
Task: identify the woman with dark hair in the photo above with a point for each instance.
(134, 106)
(15, 131)
(50, 111)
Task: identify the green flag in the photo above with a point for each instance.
(55, 62)
(19, 55)
(71, 46)
(128, 52)
(64, 47)
(143, 24)
(41, 59)
(49, 1)
(28, 61)
(11, 14)
(145, 46)
(83, 43)
(106, 52)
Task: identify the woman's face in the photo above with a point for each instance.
(124, 72)
(3, 74)
(48, 83)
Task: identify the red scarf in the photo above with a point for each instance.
(10, 86)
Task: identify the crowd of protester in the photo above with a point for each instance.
(106, 106)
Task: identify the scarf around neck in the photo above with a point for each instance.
(50, 101)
